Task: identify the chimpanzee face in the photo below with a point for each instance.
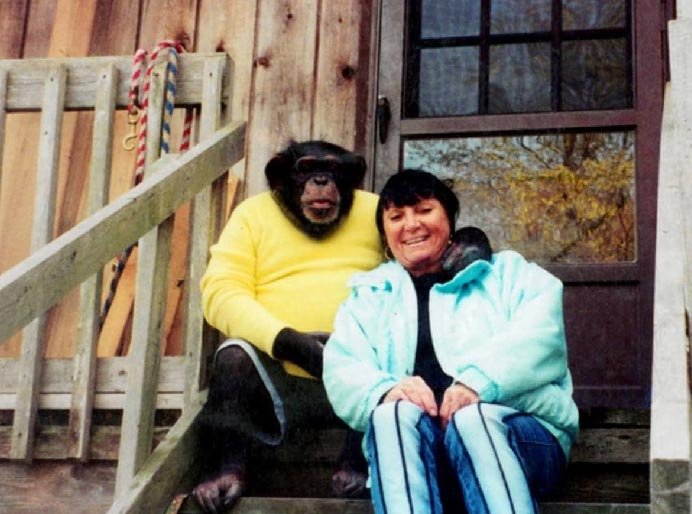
(320, 198)
(313, 182)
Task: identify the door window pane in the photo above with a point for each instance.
(510, 56)
(593, 14)
(450, 18)
(448, 81)
(595, 75)
(506, 17)
(519, 78)
(565, 198)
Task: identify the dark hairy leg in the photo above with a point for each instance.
(237, 401)
(349, 479)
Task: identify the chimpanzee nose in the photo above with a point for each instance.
(321, 180)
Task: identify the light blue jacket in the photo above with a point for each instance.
(497, 327)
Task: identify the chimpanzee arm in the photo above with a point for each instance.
(303, 349)
(229, 285)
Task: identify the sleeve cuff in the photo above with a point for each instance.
(474, 378)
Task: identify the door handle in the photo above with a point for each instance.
(383, 115)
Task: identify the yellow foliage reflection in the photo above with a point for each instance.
(553, 197)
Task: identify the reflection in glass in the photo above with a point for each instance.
(450, 18)
(506, 17)
(595, 75)
(552, 197)
(448, 81)
(519, 78)
(593, 14)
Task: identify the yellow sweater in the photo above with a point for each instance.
(264, 274)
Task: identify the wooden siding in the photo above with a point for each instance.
(300, 72)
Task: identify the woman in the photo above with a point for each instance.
(460, 376)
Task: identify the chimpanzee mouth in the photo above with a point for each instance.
(321, 211)
(320, 205)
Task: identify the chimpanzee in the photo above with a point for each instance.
(468, 244)
(273, 284)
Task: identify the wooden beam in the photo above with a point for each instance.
(26, 77)
(111, 376)
(102, 401)
(173, 461)
(201, 230)
(36, 283)
(44, 208)
(251, 505)
(150, 307)
(84, 374)
(53, 442)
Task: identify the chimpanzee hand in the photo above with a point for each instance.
(219, 493)
(302, 348)
(467, 245)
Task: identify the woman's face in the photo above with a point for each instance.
(417, 235)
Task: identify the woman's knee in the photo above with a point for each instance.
(479, 417)
(396, 414)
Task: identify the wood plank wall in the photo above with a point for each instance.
(301, 72)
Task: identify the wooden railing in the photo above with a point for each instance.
(77, 257)
(670, 403)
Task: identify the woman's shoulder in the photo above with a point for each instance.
(384, 277)
(511, 264)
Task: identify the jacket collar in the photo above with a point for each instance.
(387, 275)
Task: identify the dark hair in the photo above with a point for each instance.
(408, 187)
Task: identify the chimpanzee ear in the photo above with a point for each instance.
(278, 170)
(356, 168)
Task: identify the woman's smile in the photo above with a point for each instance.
(417, 234)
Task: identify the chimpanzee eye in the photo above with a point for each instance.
(312, 165)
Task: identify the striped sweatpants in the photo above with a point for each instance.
(491, 459)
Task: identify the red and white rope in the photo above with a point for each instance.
(140, 82)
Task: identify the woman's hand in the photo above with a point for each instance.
(456, 397)
(414, 390)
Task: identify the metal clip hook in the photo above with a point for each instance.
(129, 141)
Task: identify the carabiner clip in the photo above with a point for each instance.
(129, 141)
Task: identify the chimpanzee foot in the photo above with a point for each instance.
(348, 483)
(219, 493)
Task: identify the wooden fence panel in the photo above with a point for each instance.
(33, 286)
(33, 343)
(201, 232)
(90, 292)
(150, 306)
(72, 170)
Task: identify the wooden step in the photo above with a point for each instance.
(336, 506)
